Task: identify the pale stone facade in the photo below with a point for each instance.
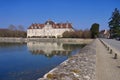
(48, 29)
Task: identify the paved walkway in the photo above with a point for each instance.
(107, 68)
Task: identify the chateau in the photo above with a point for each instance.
(49, 29)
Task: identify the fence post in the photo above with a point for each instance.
(115, 56)
(111, 51)
(108, 48)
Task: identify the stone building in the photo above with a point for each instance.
(49, 29)
(104, 34)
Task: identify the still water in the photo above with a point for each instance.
(32, 60)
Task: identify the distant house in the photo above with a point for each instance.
(49, 29)
(104, 34)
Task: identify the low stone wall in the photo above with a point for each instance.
(61, 40)
(13, 40)
(78, 67)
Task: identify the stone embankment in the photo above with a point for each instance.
(61, 40)
(78, 67)
(13, 40)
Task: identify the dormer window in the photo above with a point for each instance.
(56, 26)
(67, 25)
(47, 23)
(31, 27)
(35, 27)
(61, 26)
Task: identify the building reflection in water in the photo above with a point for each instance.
(51, 49)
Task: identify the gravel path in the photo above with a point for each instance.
(107, 68)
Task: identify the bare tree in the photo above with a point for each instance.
(12, 27)
(20, 28)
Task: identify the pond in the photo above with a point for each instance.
(31, 60)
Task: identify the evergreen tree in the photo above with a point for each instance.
(114, 24)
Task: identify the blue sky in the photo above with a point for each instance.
(81, 13)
